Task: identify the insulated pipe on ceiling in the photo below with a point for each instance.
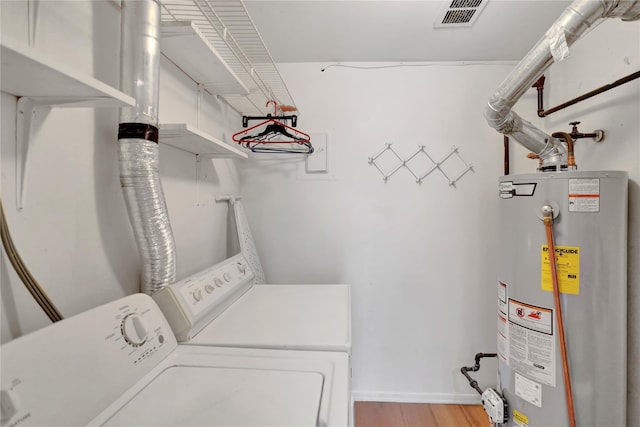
(138, 143)
(569, 27)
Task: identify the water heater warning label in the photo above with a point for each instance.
(528, 390)
(503, 328)
(520, 419)
(567, 265)
(584, 195)
(502, 297)
(503, 338)
(531, 342)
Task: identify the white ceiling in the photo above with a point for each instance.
(398, 30)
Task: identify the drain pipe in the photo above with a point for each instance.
(569, 27)
(138, 143)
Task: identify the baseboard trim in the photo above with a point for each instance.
(383, 396)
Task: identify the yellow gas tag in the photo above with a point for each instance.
(568, 266)
(520, 419)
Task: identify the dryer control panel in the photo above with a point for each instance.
(190, 304)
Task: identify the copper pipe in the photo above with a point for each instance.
(506, 155)
(578, 135)
(539, 85)
(601, 89)
(548, 223)
(571, 159)
(534, 156)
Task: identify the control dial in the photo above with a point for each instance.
(133, 330)
(242, 268)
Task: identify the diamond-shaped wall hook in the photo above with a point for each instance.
(405, 163)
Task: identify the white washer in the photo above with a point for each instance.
(120, 365)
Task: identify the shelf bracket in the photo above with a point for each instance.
(28, 109)
(199, 158)
(198, 167)
(199, 103)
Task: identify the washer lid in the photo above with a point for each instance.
(303, 317)
(221, 396)
(203, 385)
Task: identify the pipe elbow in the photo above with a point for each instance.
(626, 10)
(499, 115)
(491, 115)
(505, 122)
(494, 115)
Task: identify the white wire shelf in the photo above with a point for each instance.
(186, 47)
(227, 26)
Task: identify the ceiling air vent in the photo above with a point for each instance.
(460, 13)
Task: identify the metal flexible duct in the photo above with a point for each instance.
(569, 27)
(138, 143)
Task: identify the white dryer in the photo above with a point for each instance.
(221, 307)
(229, 305)
(120, 365)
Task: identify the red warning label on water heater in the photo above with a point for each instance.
(584, 195)
(531, 342)
(531, 317)
(503, 328)
(502, 297)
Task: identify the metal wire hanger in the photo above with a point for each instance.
(274, 136)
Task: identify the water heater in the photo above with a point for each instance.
(590, 228)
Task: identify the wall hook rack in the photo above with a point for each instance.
(399, 163)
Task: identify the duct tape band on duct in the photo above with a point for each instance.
(557, 42)
(138, 131)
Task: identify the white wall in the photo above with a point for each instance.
(420, 258)
(417, 256)
(74, 234)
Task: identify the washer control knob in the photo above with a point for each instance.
(217, 281)
(197, 295)
(133, 330)
(226, 277)
(209, 288)
(9, 405)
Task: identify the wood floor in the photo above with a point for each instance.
(386, 414)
